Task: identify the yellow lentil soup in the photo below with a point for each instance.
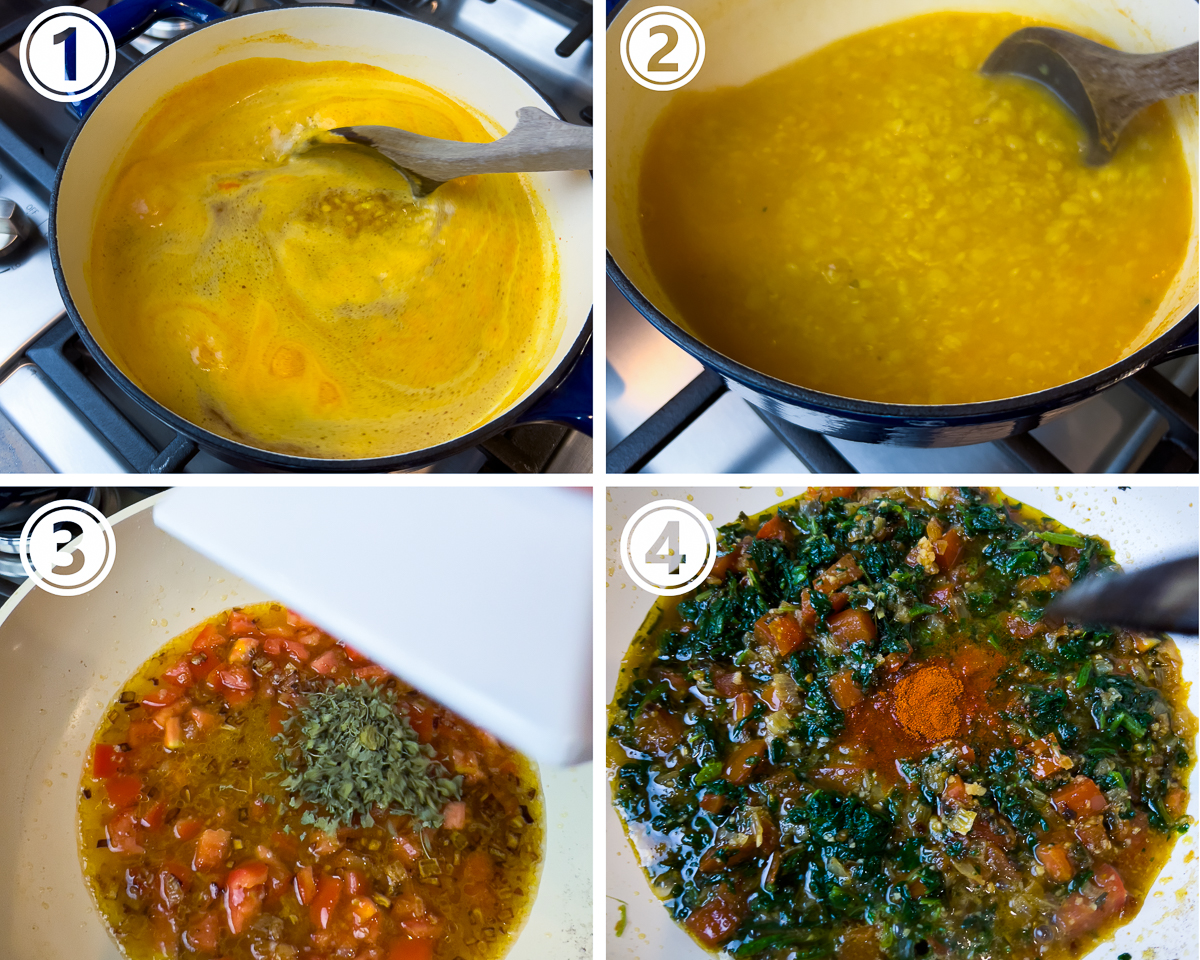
(881, 221)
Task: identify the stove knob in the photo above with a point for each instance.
(15, 227)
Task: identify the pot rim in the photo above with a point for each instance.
(873, 411)
(228, 449)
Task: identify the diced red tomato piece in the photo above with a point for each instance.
(243, 894)
(421, 719)
(775, 529)
(723, 565)
(239, 624)
(1081, 797)
(940, 596)
(852, 626)
(306, 885)
(236, 678)
(152, 819)
(718, 917)
(202, 932)
(411, 950)
(1021, 628)
(808, 613)
(107, 761)
(180, 674)
(297, 651)
(948, 548)
(825, 494)
(327, 662)
(142, 732)
(783, 631)
(164, 696)
(840, 574)
(478, 867)
(272, 646)
(207, 639)
(373, 672)
(329, 891)
(1100, 898)
(123, 833)
(742, 761)
(712, 802)
(844, 690)
(187, 828)
(204, 720)
(211, 849)
(454, 815)
(353, 655)
(743, 703)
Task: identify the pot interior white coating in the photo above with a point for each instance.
(63, 660)
(746, 39)
(311, 33)
(1144, 526)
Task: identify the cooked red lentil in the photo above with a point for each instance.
(859, 738)
(879, 220)
(260, 790)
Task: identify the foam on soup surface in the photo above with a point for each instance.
(301, 301)
(879, 220)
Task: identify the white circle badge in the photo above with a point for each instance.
(61, 572)
(668, 547)
(662, 48)
(67, 54)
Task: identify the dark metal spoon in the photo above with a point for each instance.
(1162, 597)
(1103, 87)
(537, 142)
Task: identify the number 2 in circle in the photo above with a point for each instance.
(67, 38)
(666, 548)
(656, 62)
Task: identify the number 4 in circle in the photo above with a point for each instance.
(666, 548)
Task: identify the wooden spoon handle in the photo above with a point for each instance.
(537, 142)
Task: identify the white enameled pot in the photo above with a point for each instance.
(63, 660)
(746, 39)
(443, 60)
(1144, 525)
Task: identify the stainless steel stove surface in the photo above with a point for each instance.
(41, 429)
(1115, 432)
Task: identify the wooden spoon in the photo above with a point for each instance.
(537, 142)
(1103, 87)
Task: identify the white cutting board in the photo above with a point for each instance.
(480, 597)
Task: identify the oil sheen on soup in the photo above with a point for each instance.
(260, 790)
(861, 739)
(879, 220)
(300, 300)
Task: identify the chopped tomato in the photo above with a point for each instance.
(825, 494)
(454, 815)
(786, 634)
(372, 672)
(729, 683)
(306, 885)
(1053, 857)
(940, 596)
(852, 626)
(718, 917)
(236, 678)
(949, 548)
(239, 624)
(142, 732)
(844, 572)
(743, 703)
(843, 777)
(297, 651)
(243, 894)
(202, 932)
(329, 891)
(187, 828)
(152, 819)
(1100, 898)
(272, 646)
(411, 950)
(742, 761)
(774, 529)
(162, 697)
(712, 802)
(107, 761)
(421, 719)
(327, 662)
(658, 731)
(808, 613)
(123, 833)
(1080, 798)
(180, 674)
(211, 849)
(207, 639)
(478, 867)
(204, 720)
(1021, 628)
(723, 565)
(1091, 833)
(844, 690)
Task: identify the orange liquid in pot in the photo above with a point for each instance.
(304, 303)
(879, 220)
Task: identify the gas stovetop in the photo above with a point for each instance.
(58, 411)
(665, 414)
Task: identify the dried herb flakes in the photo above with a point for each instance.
(355, 750)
